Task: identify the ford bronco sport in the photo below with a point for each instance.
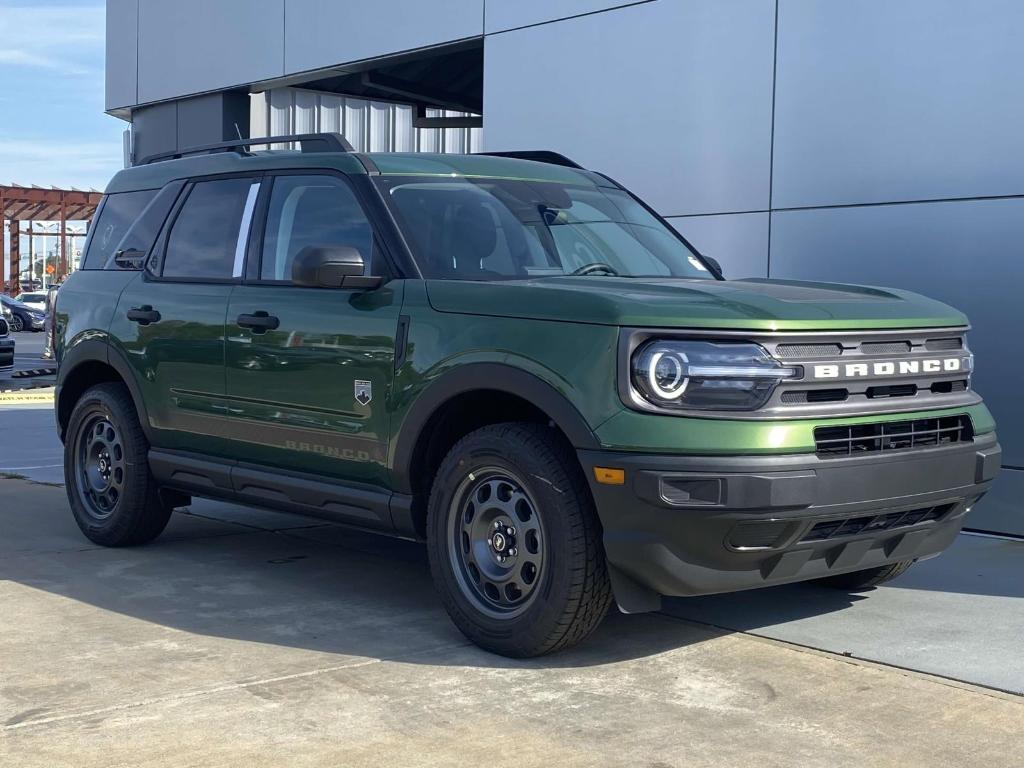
(514, 360)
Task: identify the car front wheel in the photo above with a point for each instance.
(17, 324)
(515, 543)
(113, 495)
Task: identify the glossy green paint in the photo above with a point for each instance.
(290, 391)
(85, 307)
(285, 399)
(155, 175)
(759, 305)
(577, 360)
(651, 433)
(179, 361)
(477, 166)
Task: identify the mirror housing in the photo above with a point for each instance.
(331, 266)
(715, 266)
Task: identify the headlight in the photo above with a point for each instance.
(705, 375)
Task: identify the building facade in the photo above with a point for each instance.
(865, 141)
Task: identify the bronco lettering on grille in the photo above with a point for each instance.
(888, 368)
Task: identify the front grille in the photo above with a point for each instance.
(832, 442)
(808, 350)
(4, 327)
(944, 344)
(815, 396)
(885, 347)
(852, 526)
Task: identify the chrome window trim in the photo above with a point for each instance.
(244, 229)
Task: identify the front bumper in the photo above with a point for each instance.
(6, 354)
(694, 525)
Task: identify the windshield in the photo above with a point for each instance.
(500, 229)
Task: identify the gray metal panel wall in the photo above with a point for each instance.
(502, 15)
(193, 46)
(323, 33)
(738, 241)
(872, 102)
(967, 253)
(888, 100)
(672, 99)
(122, 53)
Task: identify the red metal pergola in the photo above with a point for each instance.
(34, 204)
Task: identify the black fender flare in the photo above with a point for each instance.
(99, 350)
(484, 376)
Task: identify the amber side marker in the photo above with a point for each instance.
(609, 476)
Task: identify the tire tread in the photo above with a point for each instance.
(589, 590)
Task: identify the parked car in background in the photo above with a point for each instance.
(6, 342)
(35, 300)
(23, 317)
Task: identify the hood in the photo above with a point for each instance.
(763, 305)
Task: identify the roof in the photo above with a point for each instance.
(157, 174)
(430, 164)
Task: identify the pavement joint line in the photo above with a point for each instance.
(995, 692)
(186, 695)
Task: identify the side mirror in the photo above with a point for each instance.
(715, 266)
(331, 266)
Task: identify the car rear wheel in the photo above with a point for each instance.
(113, 495)
(866, 579)
(515, 543)
(17, 324)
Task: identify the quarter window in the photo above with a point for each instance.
(211, 230)
(118, 213)
(315, 210)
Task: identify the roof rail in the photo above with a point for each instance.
(538, 155)
(308, 142)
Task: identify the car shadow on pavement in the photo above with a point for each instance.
(308, 586)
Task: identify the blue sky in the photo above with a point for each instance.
(53, 130)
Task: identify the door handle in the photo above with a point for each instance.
(258, 322)
(143, 315)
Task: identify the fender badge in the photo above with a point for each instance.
(364, 392)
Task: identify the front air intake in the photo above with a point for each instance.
(833, 442)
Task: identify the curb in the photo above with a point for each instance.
(37, 395)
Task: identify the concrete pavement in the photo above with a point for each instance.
(28, 443)
(282, 641)
(960, 615)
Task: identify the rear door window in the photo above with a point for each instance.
(207, 240)
(116, 215)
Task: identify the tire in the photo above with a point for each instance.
(113, 495)
(516, 491)
(17, 324)
(861, 580)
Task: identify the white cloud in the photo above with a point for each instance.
(28, 59)
(54, 38)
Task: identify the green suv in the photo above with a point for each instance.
(514, 360)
